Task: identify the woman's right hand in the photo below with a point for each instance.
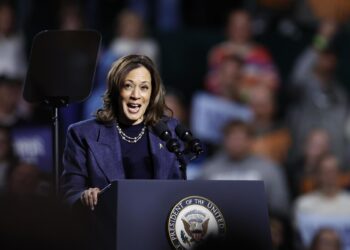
(89, 197)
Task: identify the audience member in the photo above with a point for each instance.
(10, 99)
(328, 205)
(300, 170)
(272, 138)
(210, 112)
(175, 101)
(320, 101)
(12, 49)
(280, 232)
(237, 162)
(326, 239)
(71, 17)
(258, 65)
(130, 37)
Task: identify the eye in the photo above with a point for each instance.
(127, 85)
(145, 87)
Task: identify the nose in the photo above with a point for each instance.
(135, 93)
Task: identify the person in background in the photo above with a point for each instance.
(130, 37)
(281, 231)
(328, 205)
(326, 239)
(12, 46)
(11, 113)
(209, 112)
(258, 67)
(319, 99)
(237, 162)
(302, 169)
(71, 17)
(272, 138)
(175, 101)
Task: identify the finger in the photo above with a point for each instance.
(91, 200)
(94, 195)
(86, 198)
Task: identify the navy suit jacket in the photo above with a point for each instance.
(92, 157)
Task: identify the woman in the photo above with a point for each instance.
(120, 142)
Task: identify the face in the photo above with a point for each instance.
(328, 173)
(328, 240)
(130, 26)
(9, 97)
(237, 143)
(176, 106)
(262, 104)
(317, 144)
(6, 20)
(229, 74)
(135, 94)
(239, 27)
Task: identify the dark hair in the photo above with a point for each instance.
(116, 75)
(317, 237)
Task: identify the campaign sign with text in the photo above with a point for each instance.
(210, 113)
(33, 144)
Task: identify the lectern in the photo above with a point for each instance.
(177, 214)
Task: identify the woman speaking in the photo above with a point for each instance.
(120, 142)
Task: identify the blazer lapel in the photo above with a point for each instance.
(107, 152)
(159, 156)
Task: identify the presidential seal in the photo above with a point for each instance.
(192, 220)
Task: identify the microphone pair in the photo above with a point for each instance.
(193, 144)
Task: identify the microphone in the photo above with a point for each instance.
(185, 135)
(172, 144)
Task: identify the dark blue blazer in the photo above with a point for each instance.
(92, 157)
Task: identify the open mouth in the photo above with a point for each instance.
(133, 107)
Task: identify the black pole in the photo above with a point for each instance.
(183, 167)
(55, 134)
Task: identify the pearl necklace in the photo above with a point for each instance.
(130, 139)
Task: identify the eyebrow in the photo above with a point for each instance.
(128, 80)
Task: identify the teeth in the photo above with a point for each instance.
(134, 105)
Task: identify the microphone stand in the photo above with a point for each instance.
(56, 103)
(183, 166)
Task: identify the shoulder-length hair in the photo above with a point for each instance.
(115, 78)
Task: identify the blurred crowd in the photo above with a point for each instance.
(259, 118)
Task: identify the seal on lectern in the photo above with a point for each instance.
(192, 220)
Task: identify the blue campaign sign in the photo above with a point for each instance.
(33, 144)
(210, 113)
